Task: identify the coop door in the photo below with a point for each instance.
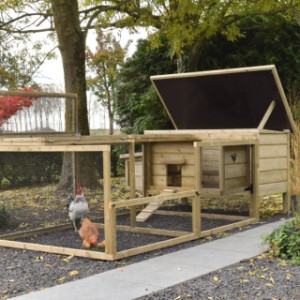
(237, 169)
(210, 167)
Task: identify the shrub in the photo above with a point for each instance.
(284, 241)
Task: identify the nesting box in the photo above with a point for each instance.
(241, 122)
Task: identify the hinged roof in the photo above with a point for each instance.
(250, 97)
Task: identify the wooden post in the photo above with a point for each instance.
(255, 201)
(109, 210)
(132, 182)
(286, 197)
(222, 169)
(196, 201)
(146, 168)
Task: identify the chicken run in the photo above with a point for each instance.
(205, 177)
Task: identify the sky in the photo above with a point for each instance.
(51, 71)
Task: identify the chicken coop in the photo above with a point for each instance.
(231, 137)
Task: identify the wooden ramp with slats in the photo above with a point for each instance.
(149, 210)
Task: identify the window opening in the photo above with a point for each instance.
(174, 175)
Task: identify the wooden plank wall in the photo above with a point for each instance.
(210, 162)
(237, 164)
(273, 163)
(162, 152)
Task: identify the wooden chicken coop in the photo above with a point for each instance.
(231, 136)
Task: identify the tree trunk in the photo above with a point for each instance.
(71, 40)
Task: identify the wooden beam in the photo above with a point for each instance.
(38, 94)
(131, 147)
(267, 115)
(54, 249)
(153, 231)
(11, 147)
(157, 198)
(255, 199)
(109, 211)
(228, 227)
(155, 246)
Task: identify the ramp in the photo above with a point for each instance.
(148, 211)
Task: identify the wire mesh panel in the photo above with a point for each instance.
(32, 112)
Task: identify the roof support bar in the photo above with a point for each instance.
(267, 115)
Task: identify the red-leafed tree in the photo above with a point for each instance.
(10, 105)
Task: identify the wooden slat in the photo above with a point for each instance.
(157, 158)
(273, 188)
(234, 183)
(235, 170)
(269, 151)
(265, 177)
(274, 138)
(268, 164)
(235, 154)
(179, 148)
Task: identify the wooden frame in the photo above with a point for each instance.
(78, 144)
(71, 96)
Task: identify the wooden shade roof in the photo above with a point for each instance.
(226, 99)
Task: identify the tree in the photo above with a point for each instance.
(104, 65)
(274, 43)
(138, 106)
(189, 25)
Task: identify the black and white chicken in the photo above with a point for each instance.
(78, 208)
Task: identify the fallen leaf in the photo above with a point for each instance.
(288, 276)
(216, 278)
(178, 298)
(73, 273)
(47, 266)
(252, 272)
(269, 284)
(242, 280)
(67, 259)
(38, 258)
(61, 280)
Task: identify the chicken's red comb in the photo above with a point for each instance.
(79, 191)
